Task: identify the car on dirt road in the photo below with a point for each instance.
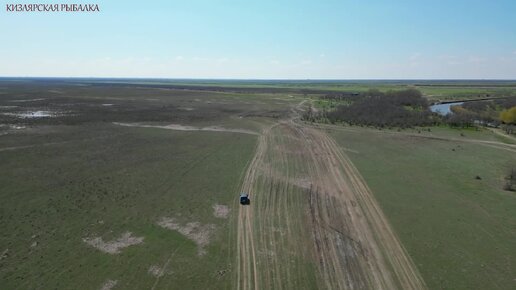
(244, 199)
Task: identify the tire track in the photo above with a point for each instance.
(246, 254)
(332, 235)
(384, 260)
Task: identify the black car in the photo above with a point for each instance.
(244, 199)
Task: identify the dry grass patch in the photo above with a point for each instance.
(158, 271)
(220, 211)
(194, 231)
(4, 254)
(109, 284)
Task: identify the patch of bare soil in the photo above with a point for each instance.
(220, 211)
(27, 100)
(189, 128)
(194, 231)
(114, 246)
(32, 114)
(109, 284)
(157, 271)
(16, 127)
(4, 254)
(186, 109)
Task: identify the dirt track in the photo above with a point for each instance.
(492, 144)
(326, 232)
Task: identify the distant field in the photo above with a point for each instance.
(435, 90)
(460, 231)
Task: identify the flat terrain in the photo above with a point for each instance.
(459, 231)
(134, 184)
(86, 201)
(434, 90)
(313, 223)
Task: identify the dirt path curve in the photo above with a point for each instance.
(313, 222)
(501, 133)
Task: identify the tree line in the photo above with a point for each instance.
(408, 108)
(404, 108)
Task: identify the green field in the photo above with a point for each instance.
(434, 90)
(105, 181)
(459, 230)
(78, 176)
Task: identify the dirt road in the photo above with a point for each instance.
(312, 221)
(488, 143)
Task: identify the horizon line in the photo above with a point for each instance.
(257, 79)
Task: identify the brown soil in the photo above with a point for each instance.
(329, 219)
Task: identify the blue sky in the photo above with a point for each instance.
(270, 39)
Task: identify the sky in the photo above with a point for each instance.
(265, 39)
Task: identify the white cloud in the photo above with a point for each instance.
(414, 66)
(179, 57)
(449, 59)
(477, 59)
(415, 59)
(415, 56)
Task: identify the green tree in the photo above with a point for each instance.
(508, 116)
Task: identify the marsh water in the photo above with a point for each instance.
(444, 109)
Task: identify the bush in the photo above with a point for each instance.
(510, 183)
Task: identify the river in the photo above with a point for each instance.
(444, 109)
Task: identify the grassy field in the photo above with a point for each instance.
(77, 175)
(105, 181)
(434, 90)
(459, 230)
